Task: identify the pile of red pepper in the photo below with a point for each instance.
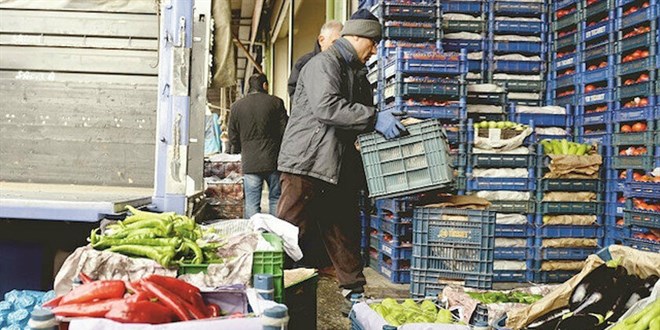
(155, 299)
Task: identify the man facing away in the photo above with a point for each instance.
(322, 170)
(329, 33)
(256, 127)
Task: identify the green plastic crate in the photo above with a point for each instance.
(263, 262)
(463, 26)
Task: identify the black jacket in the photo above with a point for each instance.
(256, 127)
(295, 71)
(332, 105)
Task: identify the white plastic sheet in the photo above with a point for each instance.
(510, 219)
(500, 173)
(504, 195)
(549, 109)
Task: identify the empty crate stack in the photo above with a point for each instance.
(465, 26)
(453, 245)
(564, 77)
(393, 221)
(642, 212)
(517, 51)
(569, 215)
(506, 179)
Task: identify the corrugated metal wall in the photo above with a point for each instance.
(78, 91)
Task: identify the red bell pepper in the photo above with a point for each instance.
(98, 290)
(134, 287)
(53, 302)
(88, 309)
(140, 312)
(84, 278)
(196, 313)
(139, 296)
(214, 310)
(169, 299)
(186, 291)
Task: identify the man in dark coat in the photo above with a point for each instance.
(256, 127)
(329, 33)
(322, 170)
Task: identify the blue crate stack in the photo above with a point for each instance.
(549, 228)
(465, 26)
(451, 244)
(637, 217)
(549, 122)
(365, 224)
(486, 102)
(514, 229)
(517, 49)
(565, 56)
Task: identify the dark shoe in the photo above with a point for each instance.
(350, 295)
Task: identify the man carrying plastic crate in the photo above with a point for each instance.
(321, 169)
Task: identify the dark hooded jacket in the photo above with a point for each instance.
(295, 71)
(332, 104)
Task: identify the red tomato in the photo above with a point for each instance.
(637, 176)
(629, 82)
(645, 5)
(643, 77)
(626, 129)
(589, 88)
(602, 65)
(639, 127)
(643, 102)
(644, 54)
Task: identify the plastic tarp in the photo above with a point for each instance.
(473, 75)
(548, 109)
(569, 242)
(517, 57)
(504, 195)
(368, 319)
(224, 67)
(550, 131)
(485, 88)
(518, 19)
(507, 76)
(463, 35)
(460, 17)
(516, 151)
(500, 173)
(510, 242)
(510, 219)
(509, 265)
(484, 108)
(513, 37)
(475, 56)
(211, 135)
(525, 96)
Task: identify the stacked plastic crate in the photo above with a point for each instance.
(451, 244)
(568, 224)
(507, 180)
(633, 143)
(465, 26)
(550, 122)
(365, 224)
(517, 50)
(413, 77)
(597, 83)
(564, 77)
(642, 212)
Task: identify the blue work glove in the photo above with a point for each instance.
(389, 125)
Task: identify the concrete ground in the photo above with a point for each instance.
(330, 300)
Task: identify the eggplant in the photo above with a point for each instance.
(582, 322)
(549, 320)
(599, 280)
(601, 293)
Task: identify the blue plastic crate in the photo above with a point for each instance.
(599, 7)
(632, 162)
(448, 88)
(374, 242)
(513, 207)
(565, 21)
(594, 185)
(397, 205)
(571, 208)
(634, 114)
(629, 139)
(566, 41)
(556, 276)
(393, 264)
(596, 138)
(642, 189)
(418, 11)
(643, 245)
(516, 184)
(599, 30)
(375, 221)
(542, 120)
(451, 111)
(614, 209)
(522, 85)
(513, 231)
(601, 74)
(566, 61)
(515, 253)
(565, 81)
(642, 15)
(403, 61)
(396, 228)
(523, 47)
(502, 160)
(454, 241)
(599, 50)
(517, 66)
(517, 27)
(640, 65)
(412, 33)
(509, 276)
(463, 7)
(594, 118)
(564, 253)
(566, 100)
(395, 276)
(616, 234)
(456, 45)
(598, 96)
(635, 42)
(395, 252)
(518, 8)
(407, 165)
(563, 4)
(641, 218)
(427, 283)
(565, 231)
